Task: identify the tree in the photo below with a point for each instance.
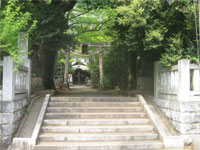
(153, 30)
(14, 20)
(49, 37)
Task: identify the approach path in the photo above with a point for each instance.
(75, 91)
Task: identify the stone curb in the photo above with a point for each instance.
(29, 143)
(169, 141)
(33, 99)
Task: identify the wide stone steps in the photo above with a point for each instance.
(101, 123)
(95, 115)
(98, 129)
(82, 122)
(93, 104)
(94, 109)
(125, 145)
(94, 99)
(100, 137)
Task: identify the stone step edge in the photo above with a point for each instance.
(114, 97)
(122, 119)
(98, 134)
(85, 113)
(96, 102)
(70, 107)
(98, 126)
(117, 143)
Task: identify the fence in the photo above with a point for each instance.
(177, 93)
(16, 84)
(180, 82)
(14, 96)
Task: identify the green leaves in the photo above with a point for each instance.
(89, 26)
(174, 52)
(13, 21)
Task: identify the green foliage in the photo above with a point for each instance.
(26, 112)
(13, 21)
(89, 26)
(115, 68)
(174, 52)
(157, 26)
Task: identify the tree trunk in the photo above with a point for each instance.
(48, 66)
(66, 83)
(132, 79)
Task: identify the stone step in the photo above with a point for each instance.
(94, 115)
(93, 104)
(97, 129)
(126, 145)
(94, 109)
(96, 121)
(100, 137)
(94, 99)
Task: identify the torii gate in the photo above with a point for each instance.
(92, 53)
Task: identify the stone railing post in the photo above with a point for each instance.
(156, 79)
(8, 78)
(183, 80)
(23, 45)
(27, 63)
(23, 51)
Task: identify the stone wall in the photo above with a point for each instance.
(184, 116)
(16, 90)
(15, 96)
(176, 92)
(11, 114)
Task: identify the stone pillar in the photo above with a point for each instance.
(183, 80)
(101, 69)
(8, 79)
(156, 79)
(27, 63)
(23, 45)
(66, 72)
(23, 51)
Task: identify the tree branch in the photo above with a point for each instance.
(79, 15)
(96, 28)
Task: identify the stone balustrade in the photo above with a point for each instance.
(177, 93)
(14, 97)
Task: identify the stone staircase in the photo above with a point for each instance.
(97, 123)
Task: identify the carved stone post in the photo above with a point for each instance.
(23, 52)
(183, 80)
(23, 45)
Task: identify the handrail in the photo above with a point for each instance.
(167, 69)
(40, 119)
